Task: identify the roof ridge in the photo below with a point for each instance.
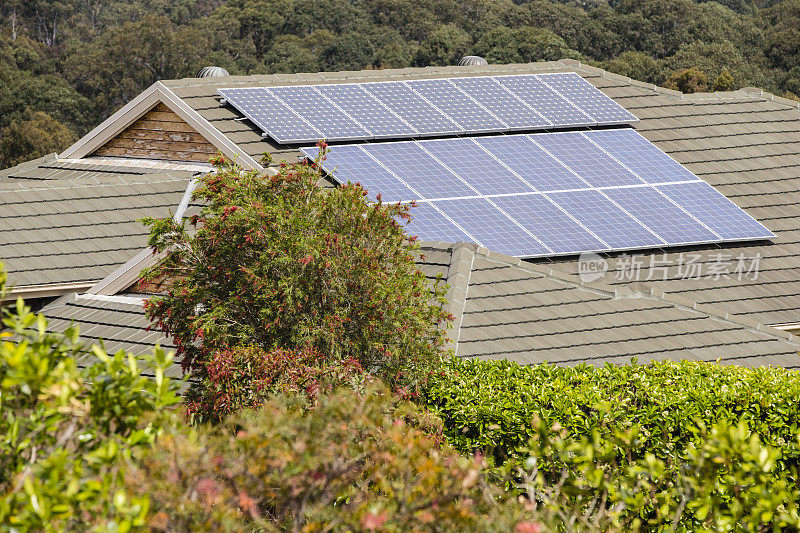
(637, 290)
(742, 93)
(330, 76)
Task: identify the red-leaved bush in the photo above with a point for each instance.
(247, 376)
(280, 284)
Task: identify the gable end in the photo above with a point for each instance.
(159, 134)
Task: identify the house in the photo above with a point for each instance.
(737, 302)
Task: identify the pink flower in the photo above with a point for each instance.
(528, 527)
(373, 521)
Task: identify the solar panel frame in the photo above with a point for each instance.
(475, 166)
(487, 223)
(639, 155)
(412, 164)
(522, 155)
(406, 103)
(354, 100)
(351, 159)
(586, 159)
(333, 123)
(563, 221)
(606, 219)
(458, 105)
(576, 90)
(518, 102)
(713, 209)
(665, 218)
(553, 226)
(487, 91)
(281, 129)
(549, 104)
(443, 228)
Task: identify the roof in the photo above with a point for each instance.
(745, 143)
(509, 309)
(119, 322)
(65, 222)
(506, 308)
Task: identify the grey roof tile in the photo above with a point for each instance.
(56, 232)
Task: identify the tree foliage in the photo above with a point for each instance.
(38, 135)
(66, 434)
(80, 60)
(354, 463)
(275, 264)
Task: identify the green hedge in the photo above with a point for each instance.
(667, 446)
(489, 406)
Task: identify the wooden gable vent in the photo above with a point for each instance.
(159, 134)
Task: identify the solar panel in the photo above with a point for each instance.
(640, 155)
(476, 166)
(419, 170)
(556, 229)
(271, 115)
(320, 112)
(714, 210)
(541, 170)
(412, 108)
(662, 216)
(430, 224)
(369, 112)
(492, 227)
(551, 105)
(511, 195)
(606, 220)
(351, 163)
(505, 106)
(432, 107)
(457, 105)
(587, 160)
(584, 95)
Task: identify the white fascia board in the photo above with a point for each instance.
(127, 115)
(130, 300)
(789, 326)
(204, 128)
(46, 290)
(126, 275)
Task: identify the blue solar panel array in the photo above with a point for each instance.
(532, 195)
(420, 108)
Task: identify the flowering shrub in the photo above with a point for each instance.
(275, 264)
(354, 463)
(66, 434)
(247, 376)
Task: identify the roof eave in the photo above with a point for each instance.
(46, 290)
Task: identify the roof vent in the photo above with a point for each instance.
(472, 60)
(212, 72)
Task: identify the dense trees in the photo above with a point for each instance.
(79, 60)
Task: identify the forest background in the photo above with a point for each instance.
(66, 65)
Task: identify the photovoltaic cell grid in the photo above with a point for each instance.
(420, 108)
(530, 195)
